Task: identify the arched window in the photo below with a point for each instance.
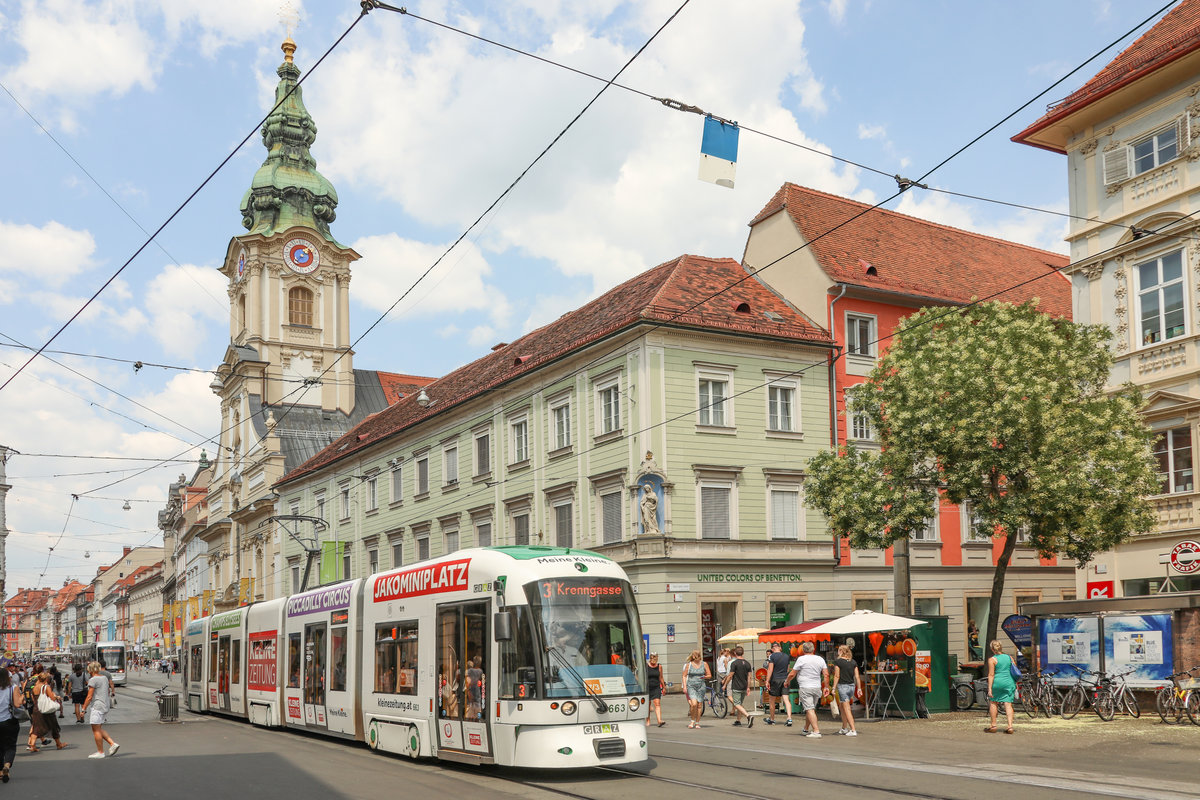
(300, 306)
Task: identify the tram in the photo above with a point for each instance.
(517, 656)
(113, 654)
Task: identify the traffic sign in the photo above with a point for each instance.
(1185, 556)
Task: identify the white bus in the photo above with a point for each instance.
(113, 654)
(517, 656)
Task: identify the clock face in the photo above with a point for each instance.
(241, 264)
(301, 255)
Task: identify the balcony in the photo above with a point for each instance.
(1176, 512)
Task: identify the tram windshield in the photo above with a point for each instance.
(113, 657)
(592, 643)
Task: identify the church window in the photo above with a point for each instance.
(300, 306)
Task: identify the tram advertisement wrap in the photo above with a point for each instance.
(449, 576)
(263, 664)
(331, 599)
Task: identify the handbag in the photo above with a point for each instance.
(47, 704)
(1014, 670)
(19, 713)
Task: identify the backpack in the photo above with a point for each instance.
(27, 690)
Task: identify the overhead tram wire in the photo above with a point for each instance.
(185, 203)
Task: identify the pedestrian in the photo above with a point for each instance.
(1001, 686)
(847, 679)
(98, 695)
(723, 662)
(45, 718)
(112, 687)
(58, 687)
(655, 682)
(77, 682)
(696, 675)
(812, 676)
(738, 681)
(777, 681)
(10, 726)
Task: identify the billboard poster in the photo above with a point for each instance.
(1141, 643)
(262, 664)
(1068, 644)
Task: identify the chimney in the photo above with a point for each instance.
(127, 551)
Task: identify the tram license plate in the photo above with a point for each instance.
(595, 730)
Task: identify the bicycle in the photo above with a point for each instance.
(1086, 692)
(967, 693)
(1173, 701)
(1123, 696)
(716, 698)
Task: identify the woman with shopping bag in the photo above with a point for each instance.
(45, 713)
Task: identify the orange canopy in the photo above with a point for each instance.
(795, 633)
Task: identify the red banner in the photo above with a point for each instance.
(263, 661)
(1101, 589)
(449, 576)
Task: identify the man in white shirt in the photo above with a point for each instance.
(723, 662)
(812, 675)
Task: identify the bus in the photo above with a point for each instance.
(113, 654)
(521, 656)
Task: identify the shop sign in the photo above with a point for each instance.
(1101, 589)
(1185, 556)
(679, 587)
(750, 577)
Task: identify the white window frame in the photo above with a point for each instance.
(450, 465)
(601, 529)
(729, 485)
(855, 347)
(603, 389)
(1171, 450)
(1156, 149)
(397, 483)
(567, 503)
(521, 513)
(858, 423)
(1120, 164)
(421, 481)
(560, 424)
(347, 560)
(450, 538)
(518, 440)
(790, 386)
(373, 561)
(970, 535)
(1158, 289)
(789, 487)
(372, 482)
(477, 523)
(422, 545)
(344, 501)
(932, 530)
(711, 411)
(484, 468)
(319, 504)
(396, 542)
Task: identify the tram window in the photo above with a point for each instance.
(396, 658)
(337, 681)
(293, 660)
(212, 661)
(315, 656)
(518, 676)
(196, 667)
(236, 657)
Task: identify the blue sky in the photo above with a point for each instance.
(420, 129)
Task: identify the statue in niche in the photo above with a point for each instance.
(649, 510)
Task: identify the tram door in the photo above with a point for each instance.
(463, 669)
(315, 678)
(223, 665)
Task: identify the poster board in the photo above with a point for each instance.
(1143, 643)
(1068, 643)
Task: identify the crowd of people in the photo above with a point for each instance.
(34, 693)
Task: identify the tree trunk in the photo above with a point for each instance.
(993, 624)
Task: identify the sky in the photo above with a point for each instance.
(113, 112)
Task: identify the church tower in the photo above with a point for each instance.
(289, 278)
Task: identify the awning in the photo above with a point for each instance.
(796, 633)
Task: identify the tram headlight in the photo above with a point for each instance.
(568, 708)
(634, 704)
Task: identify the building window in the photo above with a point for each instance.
(1173, 452)
(295, 578)
(1160, 298)
(520, 524)
(450, 538)
(561, 416)
(715, 506)
(563, 532)
(520, 441)
(397, 484)
(860, 335)
(345, 497)
(372, 492)
(608, 409)
(300, 306)
(483, 453)
(860, 421)
(294, 509)
(423, 547)
(870, 603)
(422, 476)
(373, 561)
(781, 402)
(483, 533)
(610, 513)
(450, 465)
(927, 606)
(713, 396)
(1155, 150)
(320, 500)
(346, 561)
(397, 554)
(928, 533)
(974, 525)
(785, 512)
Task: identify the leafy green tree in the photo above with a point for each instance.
(1006, 409)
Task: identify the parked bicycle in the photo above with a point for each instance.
(968, 693)
(1123, 697)
(1181, 697)
(1037, 691)
(1085, 693)
(716, 698)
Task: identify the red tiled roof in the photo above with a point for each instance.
(396, 386)
(678, 293)
(1171, 38)
(917, 257)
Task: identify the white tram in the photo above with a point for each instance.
(114, 655)
(518, 656)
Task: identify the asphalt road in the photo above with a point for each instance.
(947, 757)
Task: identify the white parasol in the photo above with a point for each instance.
(866, 621)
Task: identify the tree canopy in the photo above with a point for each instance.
(1007, 410)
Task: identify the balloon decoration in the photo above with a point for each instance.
(875, 639)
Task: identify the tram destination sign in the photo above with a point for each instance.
(448, 576)
(319, 600)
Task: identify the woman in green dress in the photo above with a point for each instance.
(1001, 686)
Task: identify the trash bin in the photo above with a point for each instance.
(168, 706)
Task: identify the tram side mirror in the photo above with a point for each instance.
(502, 624)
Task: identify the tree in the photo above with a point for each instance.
(1003, 408)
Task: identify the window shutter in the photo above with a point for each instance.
(1116, 166)
(610, 509)
(714, 513)
(562, 526)
(784, 507)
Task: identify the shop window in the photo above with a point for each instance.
(1173, 452)
(927, 606)
(1161, 290)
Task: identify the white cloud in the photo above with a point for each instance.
(183, 307)
(49, 254)
(482, 336)
(837, 10)
(448, 331)
(871, 131)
